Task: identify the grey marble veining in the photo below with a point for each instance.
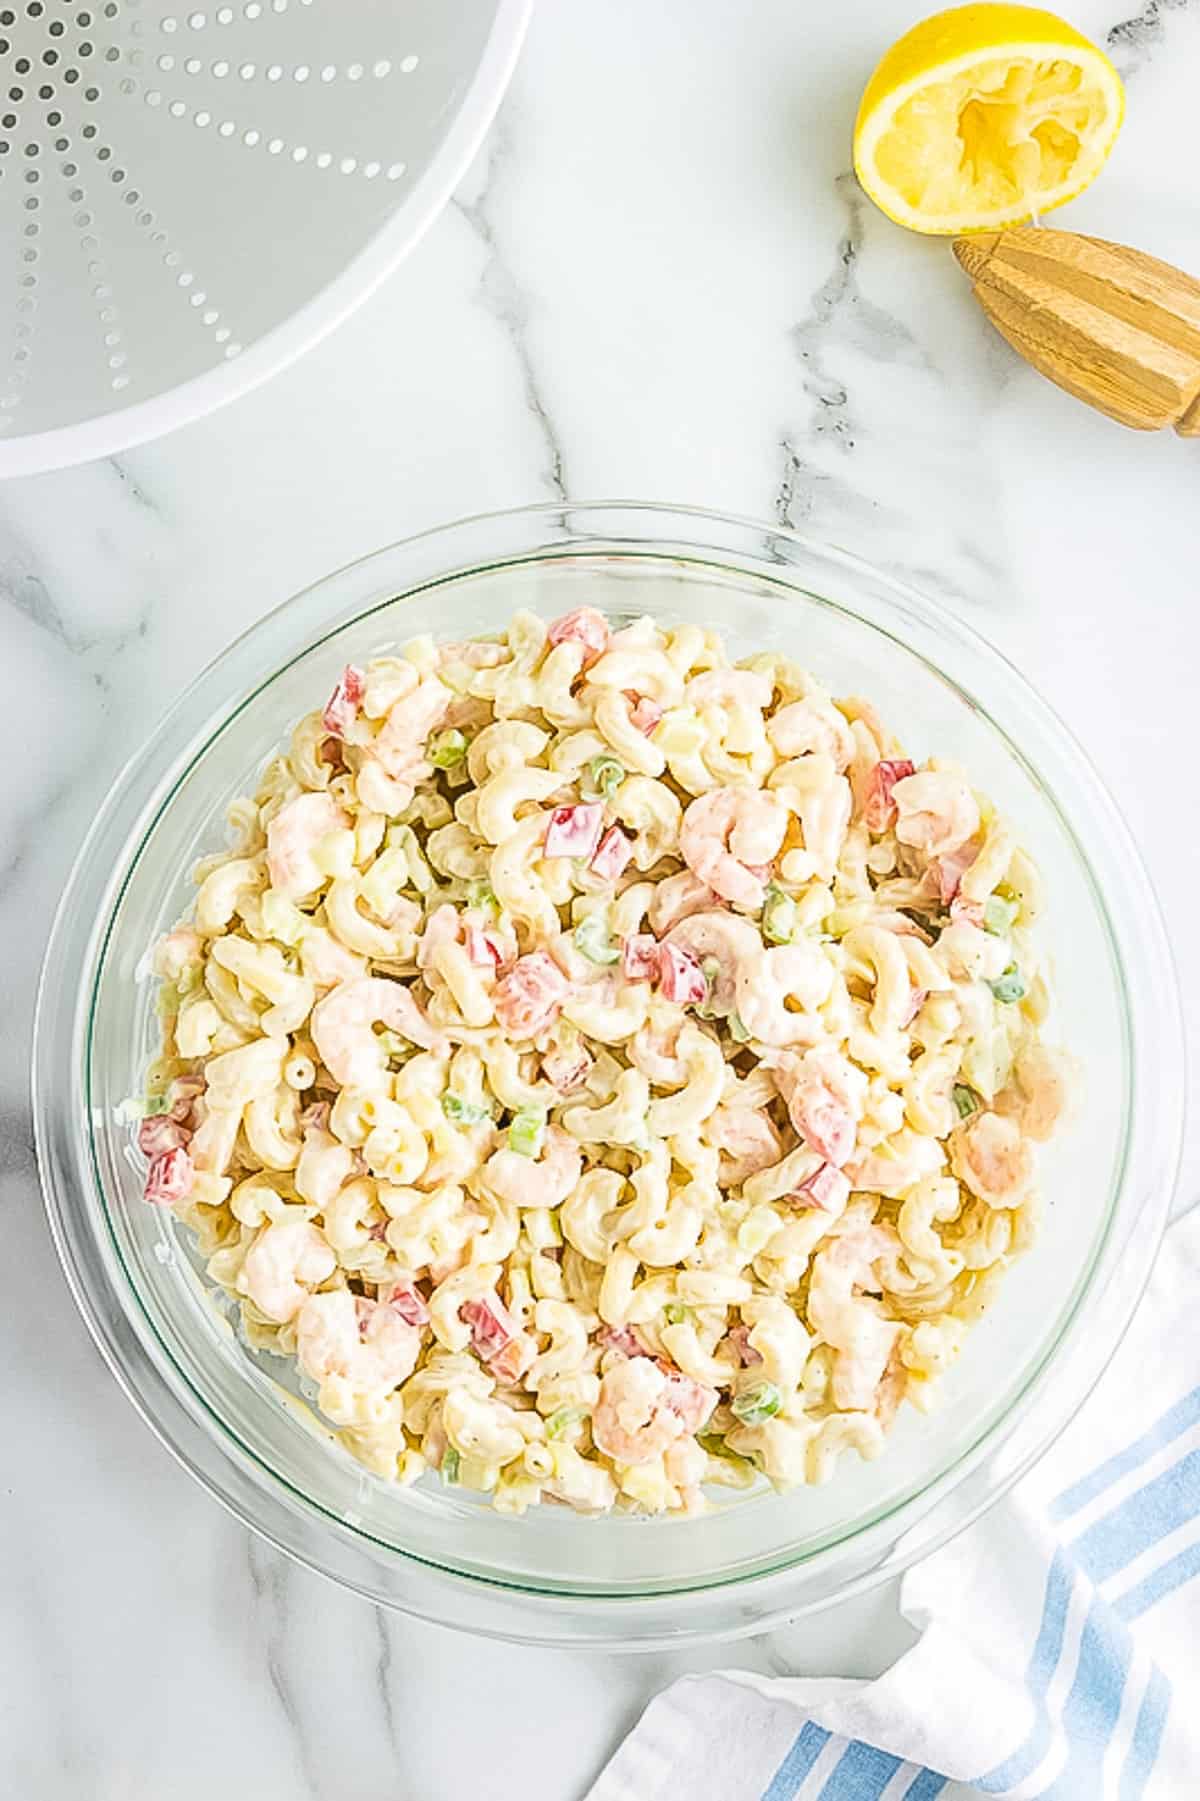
(659, 281)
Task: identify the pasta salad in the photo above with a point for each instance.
(605, 1070)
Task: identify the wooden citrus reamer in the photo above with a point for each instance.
(1114, 327)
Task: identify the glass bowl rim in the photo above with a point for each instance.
(654, 542)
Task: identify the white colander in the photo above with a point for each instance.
(190, 196)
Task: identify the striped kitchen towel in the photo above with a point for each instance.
(1059, 1649)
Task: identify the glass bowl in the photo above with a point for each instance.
(553, 1577)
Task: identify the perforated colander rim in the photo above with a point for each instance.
(125, 427)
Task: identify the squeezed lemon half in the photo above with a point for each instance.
(983, 116)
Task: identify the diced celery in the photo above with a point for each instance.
(451, 1462)
(778, 917)
(760, 1402)
(676, 1314)
(463, 1113)
(999, 914)
(966, 1101)
(479, 894)
(527, 1132)
(593, 942)
(1009, 987)
(447, 748)
(737, 1030)
(757, 1230)
(562, 1419)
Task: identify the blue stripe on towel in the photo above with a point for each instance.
(1146, 1516)
(925, 1787)
(860, 1774)
(804, 1753)
(1175, 1421)
(1147, 1736)
(1043, 1661)
(1159, 1584)
(1093, 1706)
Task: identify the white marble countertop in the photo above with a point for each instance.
(660, 281)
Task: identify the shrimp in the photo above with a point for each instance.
(936, 811)
(324, 1163)
(993, 1159)
(748, 1140)
(1041, 1091)
(848, 1321)
(546, 1182)
(678, 897)
(897, 1164)
(879, 807)
(528, 999)
(810, 725)
(825, 1095)
(586, 627)
(726, 838)
(765, 984)
(366, 1343)
(731, 687)
(342, 1022)
(640, 1413)
(408, 724)
(288, 1257)
(293, 835)
(326, 961)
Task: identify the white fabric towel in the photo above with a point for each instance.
(1059, 1655)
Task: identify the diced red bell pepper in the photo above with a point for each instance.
(575, 831)
(611, 855)
(341, 709)
(170, 1178)
(680, 976)
(639, 957)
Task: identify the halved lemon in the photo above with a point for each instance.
(983, 116)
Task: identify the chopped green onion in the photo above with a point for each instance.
(464, 1113)
(710, 969)
(779, 917)
(607, 775)
(562, 1419)
(756, 1404)
(676, 1314)
(593, 942)
(447, 748)
(479, 894)
(394, 1045)
(1009, 987)
(966, 1101)
(527, 1132)
(129, 1111)
(450, 1464)
(999, 914)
